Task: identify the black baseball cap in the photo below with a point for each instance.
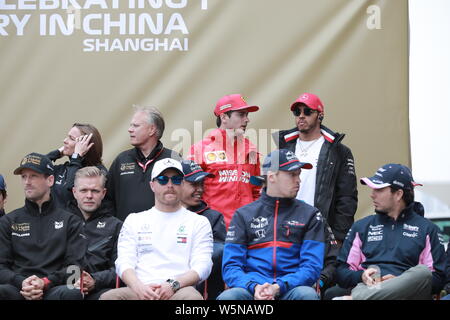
(36, 162)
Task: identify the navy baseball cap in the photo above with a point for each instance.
(283, 160)
(2, 183)
(36, 162)
(391, 174)
(257, 180)
(193, 172)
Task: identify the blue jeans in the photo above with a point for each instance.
(298, 293)
(447, 297)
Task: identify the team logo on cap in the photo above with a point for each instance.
(168, 162)
(398, 183)
(31, 159)
(194, 167)
(290, 156)
(226, 106)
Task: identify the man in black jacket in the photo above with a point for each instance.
(42, 246)
(101, 229)
(331, 185)
(191, 197)
(128, 184)
(2, 195)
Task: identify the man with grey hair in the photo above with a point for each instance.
(128, 183)
(101, 228)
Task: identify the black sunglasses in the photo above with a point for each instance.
(163, 180)
(306, 111)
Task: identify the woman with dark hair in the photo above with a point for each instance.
(84, 147)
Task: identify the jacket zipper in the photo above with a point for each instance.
(274, 255)
(39, 232)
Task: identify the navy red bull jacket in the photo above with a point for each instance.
(274, 240)
(393, 245)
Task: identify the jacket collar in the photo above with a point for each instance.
(33, 208)
(327, 133)
(409, 210)
(271, 201)
(203, 206)
(216, 133)
(155, 152)
(405, 214)
(103, 210)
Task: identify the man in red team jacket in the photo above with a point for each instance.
(231, 157)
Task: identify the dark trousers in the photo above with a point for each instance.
(10, 292)
(95, 295)
(336, 291)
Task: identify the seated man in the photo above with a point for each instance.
(165, 251)
(42, 246)
(275, 246)
(191, 198)
(394, 254)
(101, 229)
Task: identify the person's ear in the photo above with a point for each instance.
(223, 117)
(50, 180)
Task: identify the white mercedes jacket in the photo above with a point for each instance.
(161, 245)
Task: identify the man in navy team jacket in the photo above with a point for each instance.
(275, 245)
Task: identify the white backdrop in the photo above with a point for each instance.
(429, 101)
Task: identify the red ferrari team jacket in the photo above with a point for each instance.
(232, 161)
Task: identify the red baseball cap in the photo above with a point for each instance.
(309, 99)
(232, 102)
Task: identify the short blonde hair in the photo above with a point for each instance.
(90, 172)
